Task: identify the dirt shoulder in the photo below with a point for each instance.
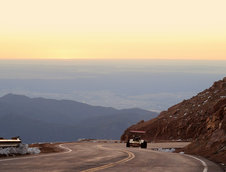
(48, 147)
(43, 147)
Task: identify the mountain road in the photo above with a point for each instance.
(109, 157)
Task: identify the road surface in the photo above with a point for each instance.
(110, 157)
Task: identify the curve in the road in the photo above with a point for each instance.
(130, 157)
(65, 148)
(206, 166)
(203, 163)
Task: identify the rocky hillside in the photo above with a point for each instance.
(201, 119)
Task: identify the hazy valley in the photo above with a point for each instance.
(48, 120)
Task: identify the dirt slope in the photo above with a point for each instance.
(201, 119)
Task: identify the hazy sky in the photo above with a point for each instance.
(147, 84)
(164, 29)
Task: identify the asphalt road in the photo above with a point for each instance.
(110, 157)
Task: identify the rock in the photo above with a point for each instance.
(201, 119)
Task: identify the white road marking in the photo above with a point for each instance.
(66, 148)
(37, 156)
(203, 163)
(130, 157)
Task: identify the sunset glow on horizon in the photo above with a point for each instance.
(100, 29)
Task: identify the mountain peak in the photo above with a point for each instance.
(12, 96)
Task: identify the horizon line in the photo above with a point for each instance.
(116, 59)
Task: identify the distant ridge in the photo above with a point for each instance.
(44, 120)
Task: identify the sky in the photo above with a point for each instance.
(113, 29)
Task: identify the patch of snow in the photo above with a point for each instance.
(185, 114)
(205, 101)
(80, 139)
(21, 150)
(33, 151)
(170, 116)
(166, 150)
(181, 152)
(223, 97)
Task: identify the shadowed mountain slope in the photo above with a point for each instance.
(39, 119)
(201, 119)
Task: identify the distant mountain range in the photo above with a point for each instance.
(49, 120)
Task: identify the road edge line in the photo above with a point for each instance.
(65, 148)
(203, 162)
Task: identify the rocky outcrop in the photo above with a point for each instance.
(201, 119)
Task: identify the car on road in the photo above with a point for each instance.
(136, 140)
